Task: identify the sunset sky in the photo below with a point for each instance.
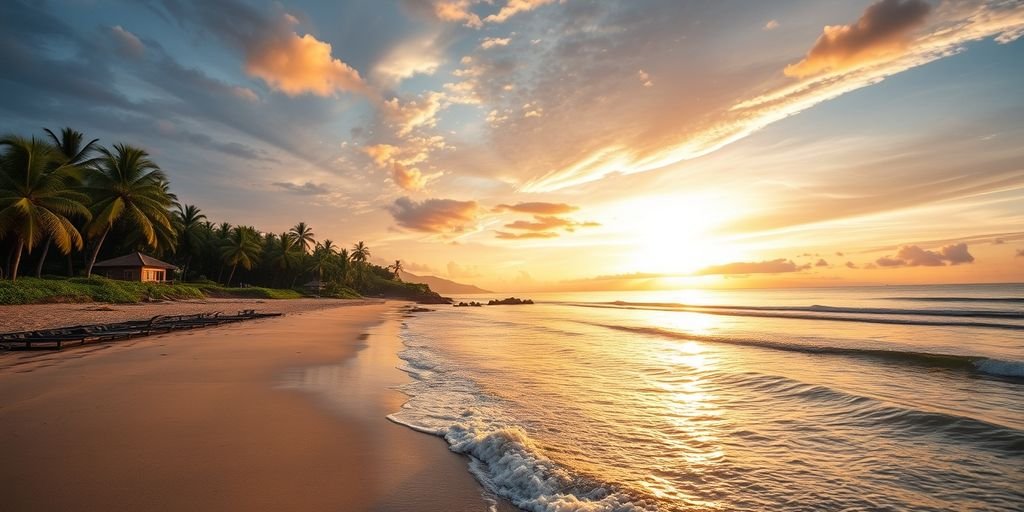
(574, 144)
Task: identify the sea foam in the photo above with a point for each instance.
(503, 457)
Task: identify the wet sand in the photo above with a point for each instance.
(275, 414)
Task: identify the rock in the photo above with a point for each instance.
(511, 301)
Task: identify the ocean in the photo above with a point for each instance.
(871, 398)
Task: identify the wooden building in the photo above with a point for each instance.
(135, 267)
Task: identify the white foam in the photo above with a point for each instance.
(503, 458)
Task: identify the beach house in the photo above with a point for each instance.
(135, 267)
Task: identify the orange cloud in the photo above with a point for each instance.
(408, 178)
(882, 31)
(513, 7)
(520, 236)
(381, 154)
(297, 65)
(953, 25)
(778, 266)
(547, 223)
(537, 208)
(457, 10)
(415, 113)
(434, 215)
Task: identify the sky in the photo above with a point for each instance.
(566, 144)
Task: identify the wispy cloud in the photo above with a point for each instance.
(945, 32)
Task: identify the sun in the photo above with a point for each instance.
(674, 234)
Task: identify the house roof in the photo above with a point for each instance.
(135, 259)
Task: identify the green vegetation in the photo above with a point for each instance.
(29, 290)
(92, 203)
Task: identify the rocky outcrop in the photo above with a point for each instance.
(511, 301)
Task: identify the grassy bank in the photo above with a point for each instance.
(27, 290)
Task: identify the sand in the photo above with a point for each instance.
(45, 316)
(275, 414)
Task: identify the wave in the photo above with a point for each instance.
(503, 458)
(1010, 300)
(510, 465)
(980, 364)
(985, 313)
(873, 414)
(751, 311)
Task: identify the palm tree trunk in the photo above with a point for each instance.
(231, 275)
(42, 258)
(71, 266)
(220, 273)
(17, 259)
(96, 252)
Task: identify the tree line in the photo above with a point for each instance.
(61, 194)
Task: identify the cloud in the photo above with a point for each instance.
(127, 43)
(821, 263)
(447, 10)
(306, 189)
(421, 112)
(382, 154)
(537, 208)
(777, 266)
(721, 121)
(883, 30)
(548, 223)
(915, 256)
(956, 254)
(1020, 253)
(434, 215)
(408, 178)
(298, 65)
(771, 25)
(513, 7)
(491, 42)
(645, 78)
(504, 235)
(419, 55)
(850, 264)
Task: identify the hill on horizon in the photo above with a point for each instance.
(441, 285)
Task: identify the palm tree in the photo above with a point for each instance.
(303, 236)
(189, 222)
(360, 252)
(35, 198)
(397, 267)
(344, 269)
(127, 185)
(75, 154)
(70, 146)
(285, 254)
(241, 248)
(323, 257)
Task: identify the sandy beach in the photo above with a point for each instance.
(45, 316)
(276, 414)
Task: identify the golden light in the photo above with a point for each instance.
(674, 234)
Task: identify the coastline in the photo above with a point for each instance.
(214, 420)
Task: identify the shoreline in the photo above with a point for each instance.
(282, 413)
